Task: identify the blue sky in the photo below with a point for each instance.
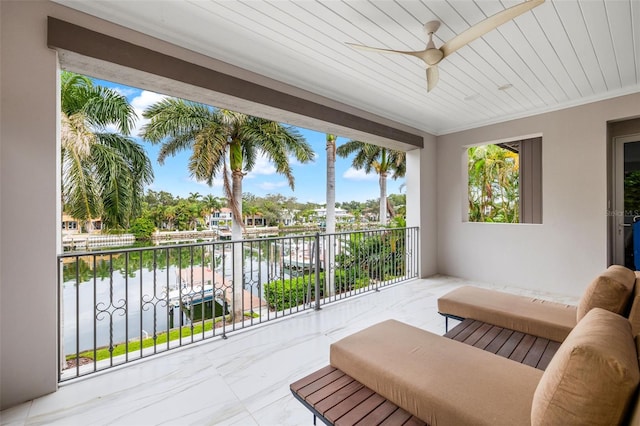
(310, 179)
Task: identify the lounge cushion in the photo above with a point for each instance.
(528, 315)
(611, 290)
(633, 417)
(439, 380)
(592, 377)
(634, 311)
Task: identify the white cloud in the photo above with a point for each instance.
(269, 186)
(140, 103)
(263, 167)
(355, 174)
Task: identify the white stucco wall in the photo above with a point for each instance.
(569, 248)
(28, 182)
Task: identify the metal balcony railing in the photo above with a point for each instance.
(117, 306)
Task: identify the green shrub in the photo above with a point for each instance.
(347, 280)
(142, 228)
(377, 256)
(289, 292)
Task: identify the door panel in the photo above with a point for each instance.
(627, 199)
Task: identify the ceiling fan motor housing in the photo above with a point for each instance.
(432, 56)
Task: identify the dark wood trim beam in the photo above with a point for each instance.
(66, 36)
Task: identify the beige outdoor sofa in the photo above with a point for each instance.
(614, 290)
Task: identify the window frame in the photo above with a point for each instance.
(529, 181)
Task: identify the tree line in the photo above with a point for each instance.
(163, 210)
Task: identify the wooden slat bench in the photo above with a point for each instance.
(524, 348)
(339, 399)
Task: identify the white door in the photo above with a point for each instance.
(626, 197)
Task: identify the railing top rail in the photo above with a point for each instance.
(217, 243)
(371, 230)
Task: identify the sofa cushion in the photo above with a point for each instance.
(528, 315)
(592, 377)
(634, 311)
(611, 290)
(439, 380)
(633, 417)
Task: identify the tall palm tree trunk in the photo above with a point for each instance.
(329, 243)
(383, 198)
(236, 236)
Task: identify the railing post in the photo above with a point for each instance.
(317, 268)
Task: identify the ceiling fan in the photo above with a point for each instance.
(432, 55)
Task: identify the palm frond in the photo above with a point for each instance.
(114, 184)
(139, 168)
(278, 142)
(398, 163)
(80, 198)
(75, 136)
(208, 156)
(70, 99)
(231, 119)
(175, 119)
(105, 106)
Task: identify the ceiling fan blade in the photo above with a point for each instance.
(417, 54)
(487, 25)
(433, 75)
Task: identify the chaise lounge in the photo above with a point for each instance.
(429, 379)
(614, 290)
(393, 373)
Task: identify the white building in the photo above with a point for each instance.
(288, 217)
(342, 216)
(221, 217)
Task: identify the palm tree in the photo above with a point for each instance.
(218, 136)
(170, 216)
(212, 202)
(103, 173)
(384, 161)
(493, 184)
(331, 184)
(330, 223)
(223, 142)
(194, 196)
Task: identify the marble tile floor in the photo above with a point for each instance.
(243, 380)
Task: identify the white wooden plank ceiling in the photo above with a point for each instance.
(562, 53)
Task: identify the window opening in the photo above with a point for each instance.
(505, 182)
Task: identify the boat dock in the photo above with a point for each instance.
(199, 285)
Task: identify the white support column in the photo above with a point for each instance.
(29, 206)
(421, 203)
